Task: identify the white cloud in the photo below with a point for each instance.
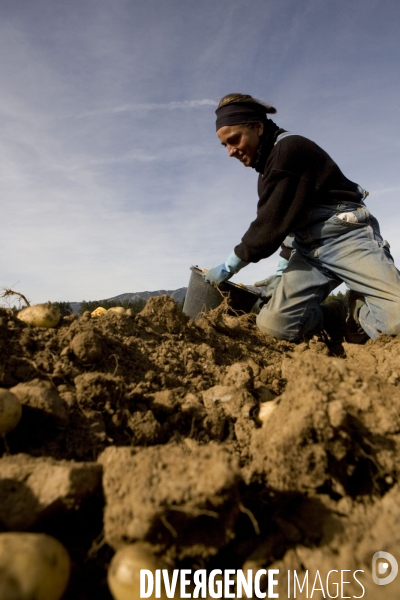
(173, 105)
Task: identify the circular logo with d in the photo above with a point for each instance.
(384, 568)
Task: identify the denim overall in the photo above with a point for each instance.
(335, 244)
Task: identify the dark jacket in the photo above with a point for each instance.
(295, 174)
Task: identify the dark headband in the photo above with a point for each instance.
(238, 113)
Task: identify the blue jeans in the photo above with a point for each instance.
(329, 250)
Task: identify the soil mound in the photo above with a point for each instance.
(216, 445)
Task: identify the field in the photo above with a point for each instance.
(217, 445)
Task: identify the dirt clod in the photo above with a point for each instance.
(42, 398)
(34, 488)
(184, 497)
(87, 347)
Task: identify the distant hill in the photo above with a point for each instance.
(177, 295)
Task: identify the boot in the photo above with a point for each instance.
(334, 315)
(355, 334)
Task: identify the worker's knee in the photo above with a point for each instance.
(380, 320)
(290, 321)
(391, 324)
(276, 324)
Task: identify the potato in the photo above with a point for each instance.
(10, 411)
(98, 312)
(266, 410)
(40, 315)
(32, 566)
(124, 572)
(117, 309)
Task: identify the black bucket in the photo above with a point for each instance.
(201, 296)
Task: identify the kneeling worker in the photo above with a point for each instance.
(318, 216)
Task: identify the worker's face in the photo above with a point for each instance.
(241, 141)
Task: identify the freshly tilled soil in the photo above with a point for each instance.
(218, 445)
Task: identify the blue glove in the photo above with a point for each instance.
(223, 272)
(217, 275)
(282, 264)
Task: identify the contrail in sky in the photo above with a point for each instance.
(151, 106)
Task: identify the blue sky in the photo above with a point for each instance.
(112, 178)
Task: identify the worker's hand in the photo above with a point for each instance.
(230, 267)
(217, 275)
(269, 285)
(265, 282)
